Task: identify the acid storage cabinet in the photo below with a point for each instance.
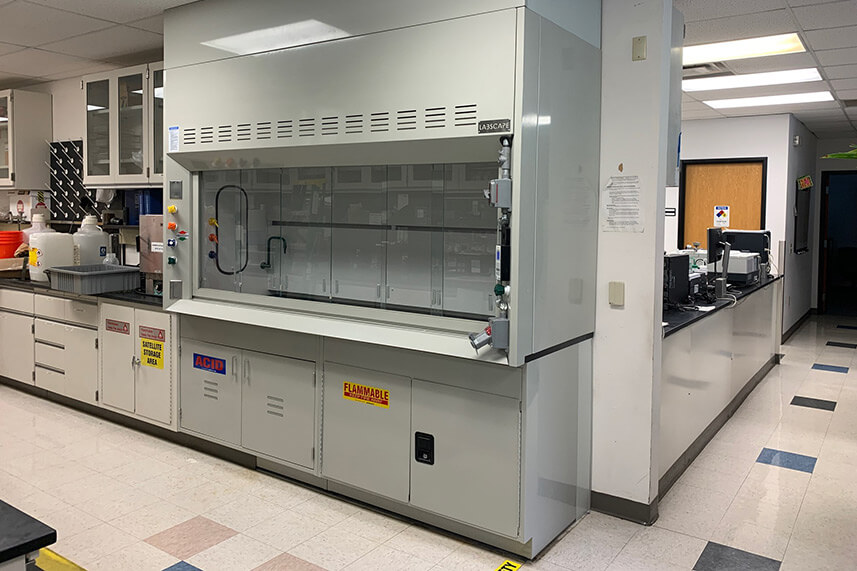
(422, 234)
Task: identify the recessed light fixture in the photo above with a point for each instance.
(277, 37)
(751, 80)
(742, 49)
(813, 97)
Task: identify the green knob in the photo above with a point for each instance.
(499, 290)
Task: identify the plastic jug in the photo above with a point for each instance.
(37, 226)
(90, 243)
(47, 250)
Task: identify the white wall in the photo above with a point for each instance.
(767, 136)
(634, 134)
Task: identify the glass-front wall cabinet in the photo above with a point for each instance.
(416, 238)
(98, 128)
(157, 107)
(131, 124)
(4, 137)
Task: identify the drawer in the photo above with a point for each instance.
(50, 332)
(16, 300)
(50, 307)
(50, 380)
(50, 356)
(82, 313)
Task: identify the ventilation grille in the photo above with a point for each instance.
(276, 406)
(210, 389)
(355, 124)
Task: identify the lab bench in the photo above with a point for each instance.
(21, 537)
(711, 361)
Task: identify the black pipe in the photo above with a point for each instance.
(267, 263)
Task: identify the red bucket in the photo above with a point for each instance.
(9, 242)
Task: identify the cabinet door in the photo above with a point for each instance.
(367, 420)
(132, 136)
(118, 352)
(154, 387)
(475, 477)
(16, 347)
(81, 369)
(156, 123)
(211, 391)
(99, 145)
(6, 138)
(278, 407)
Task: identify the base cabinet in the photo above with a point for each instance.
(16, 347)
(264, 403)
(136, 361)
(66, 360)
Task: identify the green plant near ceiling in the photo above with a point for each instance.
(852, 154)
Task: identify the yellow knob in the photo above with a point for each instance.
(172, 209)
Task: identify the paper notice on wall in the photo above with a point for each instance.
(174, 139)
(621, 205)
(721, 217)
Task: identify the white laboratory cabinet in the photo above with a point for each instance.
(25, 128)
(137, 361)
(16, 335)
(263, 403)
(123, 145)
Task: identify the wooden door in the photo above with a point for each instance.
(740, 185)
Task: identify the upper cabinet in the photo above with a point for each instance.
(124, 127)
(25, 130)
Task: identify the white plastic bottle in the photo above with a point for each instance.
(49, 249)
(37, 226)
(90, 243)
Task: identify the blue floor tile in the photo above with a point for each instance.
(788, 460)
(182, 566)
(717, 557)
(841, 344)
(831, 368)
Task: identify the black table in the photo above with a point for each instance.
(21, 534)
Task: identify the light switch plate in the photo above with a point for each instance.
(616, 293)
(639, 48)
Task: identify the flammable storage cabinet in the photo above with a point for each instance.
(380, 237)
(137, 363)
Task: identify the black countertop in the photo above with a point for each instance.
(43, 287)
(21, 534)
(677, 320)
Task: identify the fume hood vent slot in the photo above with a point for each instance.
(406, 120)
(189, 136)
(263, 130)
(329, 125)
(206, 135)
(306, 127)
(353, 124)
(224, 133)
(379, 122)
(435, 117)
(244, 132)
(284, 129)
(465, 115)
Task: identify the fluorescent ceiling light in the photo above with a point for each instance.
(277, 38)
(3, 119)
(742, 49)
(94, 108)
(751, 80)
(770, 100)
(159, 92)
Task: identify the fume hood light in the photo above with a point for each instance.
(159, 92)
(95, 108)
(277, 37)
(751, 80)
(742, 49)
(787, 99)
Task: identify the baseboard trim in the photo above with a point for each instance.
(677, 469)
(796, 326)
(623, 508)
(184, 439)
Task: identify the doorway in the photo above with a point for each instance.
(837, 279)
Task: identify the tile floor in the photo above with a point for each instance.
(776, 488)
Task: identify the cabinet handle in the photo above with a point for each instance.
(247, 370)
(135, 361)
(235, 367)
(378, 291)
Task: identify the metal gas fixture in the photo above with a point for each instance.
(499, 193)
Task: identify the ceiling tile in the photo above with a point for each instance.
(694, 10)
(96, 67)
(844, 84)
(847, 94)
(771, 63)
(740, 27)
(693, 115)
(153, 24)
(688, 106)
(37, 63)
(113, 10)
(104, 44)
(10, 80)
(832, 38)
(841, 56)
(28, 24)
(808, 2)
(830, 15)
(851, 112)
(840, 71)
(829, 114)
(138, 58)
(836, 134)
(9, 48)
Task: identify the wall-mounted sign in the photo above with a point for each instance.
(721, 216)
(804, 182)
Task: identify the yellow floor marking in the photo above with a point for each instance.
(50, 561)
(507, 566)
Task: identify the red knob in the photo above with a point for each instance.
(171, 226)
